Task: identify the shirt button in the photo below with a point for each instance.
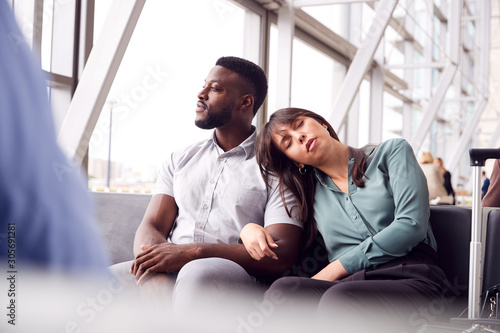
(354, 217)
(212, 181)
(221, 159)
(205, 207)
(346, 198)
(198, 226)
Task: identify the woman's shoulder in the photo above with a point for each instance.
(393, 146)
(396, 142)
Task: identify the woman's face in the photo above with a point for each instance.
(304, 141)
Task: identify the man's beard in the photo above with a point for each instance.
(215, 119)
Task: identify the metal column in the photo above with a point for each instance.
(97, 77)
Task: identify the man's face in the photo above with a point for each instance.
(217, 99)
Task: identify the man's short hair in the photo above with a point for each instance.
(252, 73)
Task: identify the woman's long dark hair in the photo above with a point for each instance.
(273, 163)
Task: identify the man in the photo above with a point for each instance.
(206, 193)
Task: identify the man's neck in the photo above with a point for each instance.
(228, 139)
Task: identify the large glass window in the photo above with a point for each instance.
(364, 114)
(316, 77)
(333, 17)
(149, 111)
(313, 80)
(392, 126)
(49, 29)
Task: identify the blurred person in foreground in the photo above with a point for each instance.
(45, 209)
(446, 176)
(51, 254)
(371, 207)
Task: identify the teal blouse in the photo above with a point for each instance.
(384, 220)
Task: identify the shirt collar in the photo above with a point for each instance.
(247, 146)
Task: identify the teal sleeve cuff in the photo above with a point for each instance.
(354, 260)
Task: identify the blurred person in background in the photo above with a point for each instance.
(447, 177)
(486, 184)
(434, 177)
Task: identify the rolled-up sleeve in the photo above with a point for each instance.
(165, 180)
(275, 211)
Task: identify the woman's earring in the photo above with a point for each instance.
(302, 170)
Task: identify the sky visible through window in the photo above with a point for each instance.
(154, 94)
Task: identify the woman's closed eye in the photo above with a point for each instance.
(286, 142)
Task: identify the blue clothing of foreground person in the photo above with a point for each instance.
(46, 215)
(371, 207)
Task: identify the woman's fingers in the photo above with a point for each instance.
(258, 242)
(266, 250)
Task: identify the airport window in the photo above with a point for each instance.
(150, 108)
(392, 126)
(175, 43)
(333, 17)
(316, 77)
(313, 79)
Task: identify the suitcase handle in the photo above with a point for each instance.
(479, 156)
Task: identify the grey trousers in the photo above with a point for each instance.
(201, 284)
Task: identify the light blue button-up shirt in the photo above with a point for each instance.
(219, 192)
(384, 220)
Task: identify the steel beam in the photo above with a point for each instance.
(416, 65)
(494, 137)
(361, 63)
(464, 139)
(352, 125)
(409, 60)
(97, 77)
(446, 78)
(307, 3)
(352, 122)
(485, 49)
(286, 29)
(377, 98)
(434, 105)
(482, 88)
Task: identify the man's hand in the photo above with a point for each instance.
(164, 257)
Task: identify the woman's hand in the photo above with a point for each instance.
(332, 272)
(258, 241)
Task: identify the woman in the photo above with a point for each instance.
(446, 176)
(371, 207)
(433, 175)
